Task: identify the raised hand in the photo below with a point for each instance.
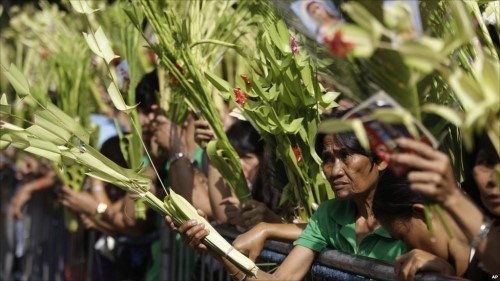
(432, 174)
(203, 133)
(192, 232)
(167, 134)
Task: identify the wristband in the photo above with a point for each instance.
(96, 188)
(483, 232)
(101, 208)
(176, 157)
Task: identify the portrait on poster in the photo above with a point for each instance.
(317, 16)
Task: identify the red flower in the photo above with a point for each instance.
(174, 80)
(43, 53)
(247, 81)
(152, 57)
(240, 96)
(179, 67)
(337, 46)
(298, 155)
(116, 61)
(293, 45)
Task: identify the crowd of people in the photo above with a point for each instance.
(374, 214)
(427, 220)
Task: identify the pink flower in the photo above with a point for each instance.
(240, 96)
(337, 46)
(293, 45)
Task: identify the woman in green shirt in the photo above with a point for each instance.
(346, 222)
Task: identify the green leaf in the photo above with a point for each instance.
(452, 116)
(39, 131)
(220, 84)
(4, 144)
(99, 44)
(333, 126)
(3, 99)
(13, 133)
(45, 149)
(64, 122)
(50, 125)
(285, 36)
(18, 81)
(365, 19)
(363, 45)
(423, 54)
(277, 37)
(328, 100)
(132, 14)
(117, 98)
(465, 27)
(215, 152)
(5, 108)
(487, 77)
(82, 7)
(466, 89)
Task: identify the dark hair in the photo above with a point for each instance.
(346, 139)
(244, 138)
(393, 199)
(146, 91)
(111, 149)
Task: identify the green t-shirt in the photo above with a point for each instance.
(333, 226)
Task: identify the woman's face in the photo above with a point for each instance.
(318, 12)
(250, 165)
(483, 172)
(350, 174)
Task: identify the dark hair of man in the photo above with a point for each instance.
(244, 138)
(111, 149)
(393, 199)
(146, 91)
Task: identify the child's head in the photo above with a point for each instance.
(249, 146)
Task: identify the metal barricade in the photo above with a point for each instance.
(329, 265)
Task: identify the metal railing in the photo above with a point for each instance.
(329, 265)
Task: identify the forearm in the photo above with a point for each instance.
(41, 183)
(467, 215)
(283, 232)
(217, 190)
(294, 267)
(97, 190)
(470, 219)
(186, 182)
